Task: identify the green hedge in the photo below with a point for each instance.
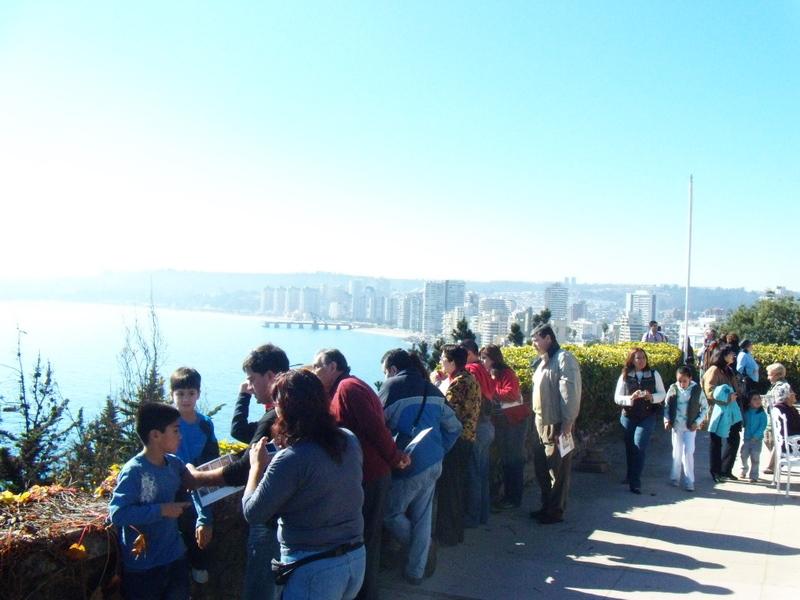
(601, 366)
(788, 356)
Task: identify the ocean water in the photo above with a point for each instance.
(83, 343)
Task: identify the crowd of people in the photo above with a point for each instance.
(340, 480)
(724, 400)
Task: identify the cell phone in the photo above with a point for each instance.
(271, 448)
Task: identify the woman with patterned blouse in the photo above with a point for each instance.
(463, 394)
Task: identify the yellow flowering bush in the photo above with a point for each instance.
(231, 447)
(601, 366)
(788, 356)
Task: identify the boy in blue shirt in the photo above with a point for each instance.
(198, 445)
(144, 510)
(755, 422)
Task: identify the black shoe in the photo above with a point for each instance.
(412, 580)
(635, 490)
(536, 514)
(731, 476)
(430, 565)
(717, 478)
(546, 519)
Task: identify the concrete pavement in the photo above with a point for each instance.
(737, 540)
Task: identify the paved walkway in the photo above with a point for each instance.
(737, 540)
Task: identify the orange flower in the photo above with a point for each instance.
(76, 552)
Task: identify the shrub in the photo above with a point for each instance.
(788, 356)
(600, 369)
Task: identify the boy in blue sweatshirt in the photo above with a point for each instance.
(755, 422)
(198, 445)
(144, 510)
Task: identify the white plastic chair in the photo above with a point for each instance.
(787, 450)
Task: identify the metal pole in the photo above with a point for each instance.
(688, 277)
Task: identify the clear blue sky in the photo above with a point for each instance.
(485, 140)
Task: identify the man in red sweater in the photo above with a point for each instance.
(356, 407)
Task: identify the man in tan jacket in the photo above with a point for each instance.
(556, 404)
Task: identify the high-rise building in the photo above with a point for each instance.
(357, 303)
(438, 298)
(494, 327)
(292, 300)
(643, 302)
(556, 298)
(267, 301)
(410, 312)
(577, 311)
(631, 327)
(450, 320)
(280, 301)
(310, 301)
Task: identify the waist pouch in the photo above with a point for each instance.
(282, 571)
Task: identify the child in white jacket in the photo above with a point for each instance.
(686, 408)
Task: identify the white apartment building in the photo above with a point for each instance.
(644, 303)
(556, 298)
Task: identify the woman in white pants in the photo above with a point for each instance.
(686, 409)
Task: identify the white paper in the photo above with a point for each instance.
(209, 495)
(417, 439)
(565, 444)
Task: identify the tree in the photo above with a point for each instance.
(462, 332)
(541, 318)
(97, 446)
(436, 354)
(768, 321)
(515, 335)
(42, 408)
(423, 350)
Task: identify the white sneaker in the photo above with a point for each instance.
(200, 576)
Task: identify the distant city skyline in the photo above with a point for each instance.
(515, 141)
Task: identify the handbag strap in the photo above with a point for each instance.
(421, 406)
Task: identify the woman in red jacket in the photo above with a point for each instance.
(511, 423)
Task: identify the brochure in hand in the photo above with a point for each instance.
(209, 495)
(565, 444)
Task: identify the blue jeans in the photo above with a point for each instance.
(408, 515)
(166, 582)
(262, 547)
(476, 511)
(337, 578)
(511, 445)
(637, 436)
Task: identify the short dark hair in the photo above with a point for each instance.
(684, 370)
(746, 344)
(455, 353)
(184, 378)
(330, 355)
(470, 346)
(544, 330)
(653, 323)
(154, 415)
(403, 360)
(266, 358)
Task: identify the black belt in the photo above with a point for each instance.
(282, 571)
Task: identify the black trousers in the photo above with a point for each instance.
(375, 495)
(731, 449)
(451, 494)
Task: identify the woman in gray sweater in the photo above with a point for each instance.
(313, 486)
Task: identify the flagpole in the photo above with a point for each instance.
(688, 276)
